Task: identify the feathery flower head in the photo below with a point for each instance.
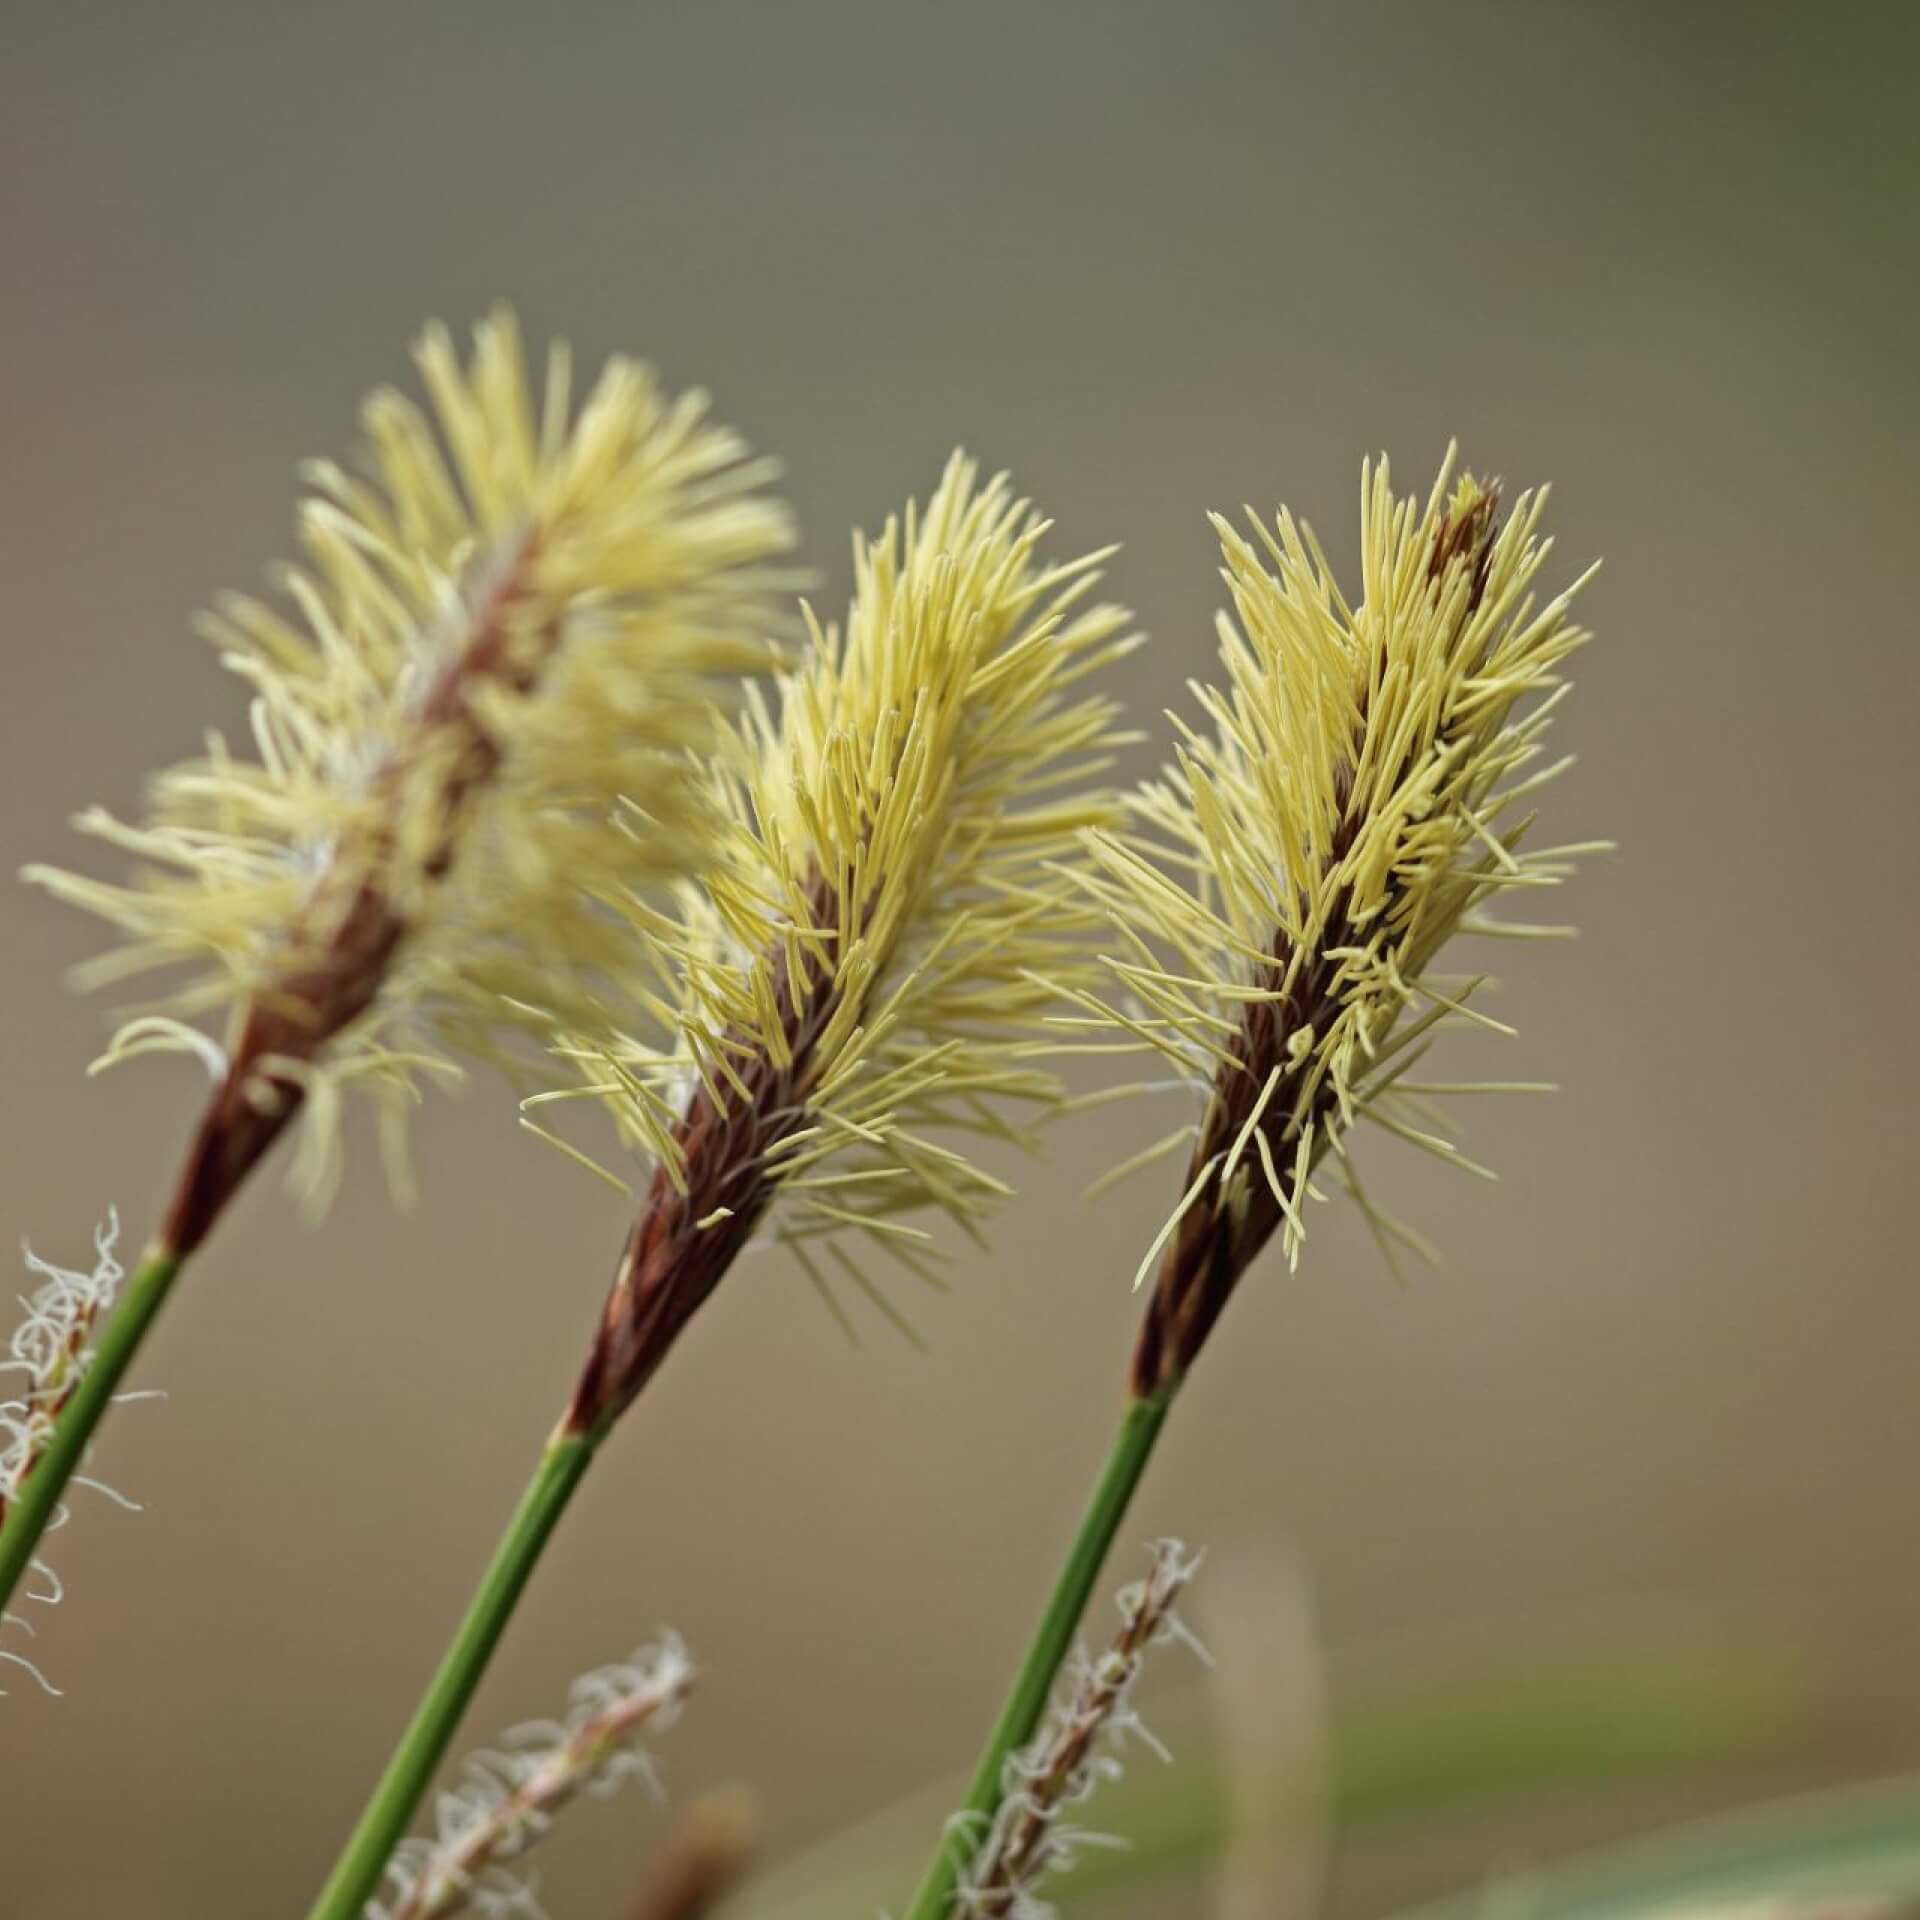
(506, 1799)
(860, 971)
(1291, 880)
(1074, 1751)
(504, 643)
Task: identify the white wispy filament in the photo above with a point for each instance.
(49, 1352)
(507, 1797)
(1074, 1751)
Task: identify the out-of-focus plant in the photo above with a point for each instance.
(705, 1857)
(1851, 1853)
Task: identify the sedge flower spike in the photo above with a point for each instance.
(1288, 886)
(506, 641)
(860, 973)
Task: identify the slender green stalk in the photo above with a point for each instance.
(1127, 1459)
(112, 1353)
(423, 1746)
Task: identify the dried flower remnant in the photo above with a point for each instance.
(50, 1349)
(473, 736)
(506, 1799)
(861, 972)
(1074, 1751)
(47, 1357)
(1355, 806)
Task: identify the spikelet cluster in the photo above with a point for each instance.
(469, 727)
(1075, 1750)
(506, 1799)
(1286, 889)
(46, 1359)
(857, 980)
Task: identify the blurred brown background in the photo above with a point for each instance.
(1155, 259)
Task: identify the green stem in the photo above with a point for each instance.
(113, 1350)
(1127, 1459)
(424, 1744)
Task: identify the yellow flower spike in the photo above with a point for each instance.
(1306, 861)
(861, 968)
(510, 637)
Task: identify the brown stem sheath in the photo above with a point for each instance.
(689, 1232)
